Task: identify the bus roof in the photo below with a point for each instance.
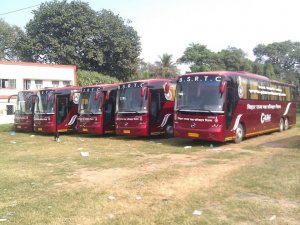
(238, 73)
(66, 88)
(103, 86)
(230, 73)
(149, 81)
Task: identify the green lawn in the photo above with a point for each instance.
(148, 181)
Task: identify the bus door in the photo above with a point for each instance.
(109, 111)
(62, 108)
(231, 102)
(154, 109)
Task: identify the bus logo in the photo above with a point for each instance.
(193, 125)
(264, 118)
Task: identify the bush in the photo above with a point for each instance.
(85, 78)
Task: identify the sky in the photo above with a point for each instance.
(169, 26)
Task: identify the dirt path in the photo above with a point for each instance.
(192, 171)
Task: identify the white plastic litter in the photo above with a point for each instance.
(85, 154)
(13, 142)
(186, 147)
(111, 198)
(197, 213)
(272, 217)
(3, 220)
(138, 198)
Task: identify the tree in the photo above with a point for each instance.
(8, 38)
(166, 67)
(73, 33)
(200, 58)
(85, 78)
(234, 59)
(284, 57)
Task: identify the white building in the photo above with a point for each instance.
(19, 76)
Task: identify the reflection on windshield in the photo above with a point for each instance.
(44, 102)
(199, 94)
(24, 103)
(90, 103)
(130, 100)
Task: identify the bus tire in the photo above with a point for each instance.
(286, 124)
(169, 131)
(281, 125)
(239, 134)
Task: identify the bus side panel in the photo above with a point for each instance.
(259, 117)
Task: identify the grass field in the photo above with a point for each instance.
(148, 181)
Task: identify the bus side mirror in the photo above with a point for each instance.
(143, 91)
(222, 86)
(107, 95)
(167, 87)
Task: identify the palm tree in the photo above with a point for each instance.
(166, 67)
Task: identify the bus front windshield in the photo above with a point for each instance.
(24, 102)
(90, 102)
(45, 102)
(132, 100)
(199, 94)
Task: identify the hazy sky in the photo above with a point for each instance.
(168, 26)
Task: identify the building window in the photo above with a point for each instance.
(38, 84)
(66, 82)
(7, 83)
(27, 84)
(55, 83)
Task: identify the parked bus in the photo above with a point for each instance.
(145, 107)
(97, 106)
(24, 110)
(222, 106)
(56, 110)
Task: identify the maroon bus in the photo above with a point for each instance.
(145, 107)
(56, 109)
(24, 110)
(97, 105)
(221, 106)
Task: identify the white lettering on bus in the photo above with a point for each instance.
(264, 118)
(218, 79)
(205, 78)
(269, 106)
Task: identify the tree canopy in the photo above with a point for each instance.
(8, 38)
(202, 59)
(73, 33)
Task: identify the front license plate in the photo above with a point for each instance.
(193, 134)
(126, 131)
(40, 129)
(85, 129)
(19, 127)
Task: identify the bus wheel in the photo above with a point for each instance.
(281, 125)
(239, 134)
(169, 131)
(286, 124)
